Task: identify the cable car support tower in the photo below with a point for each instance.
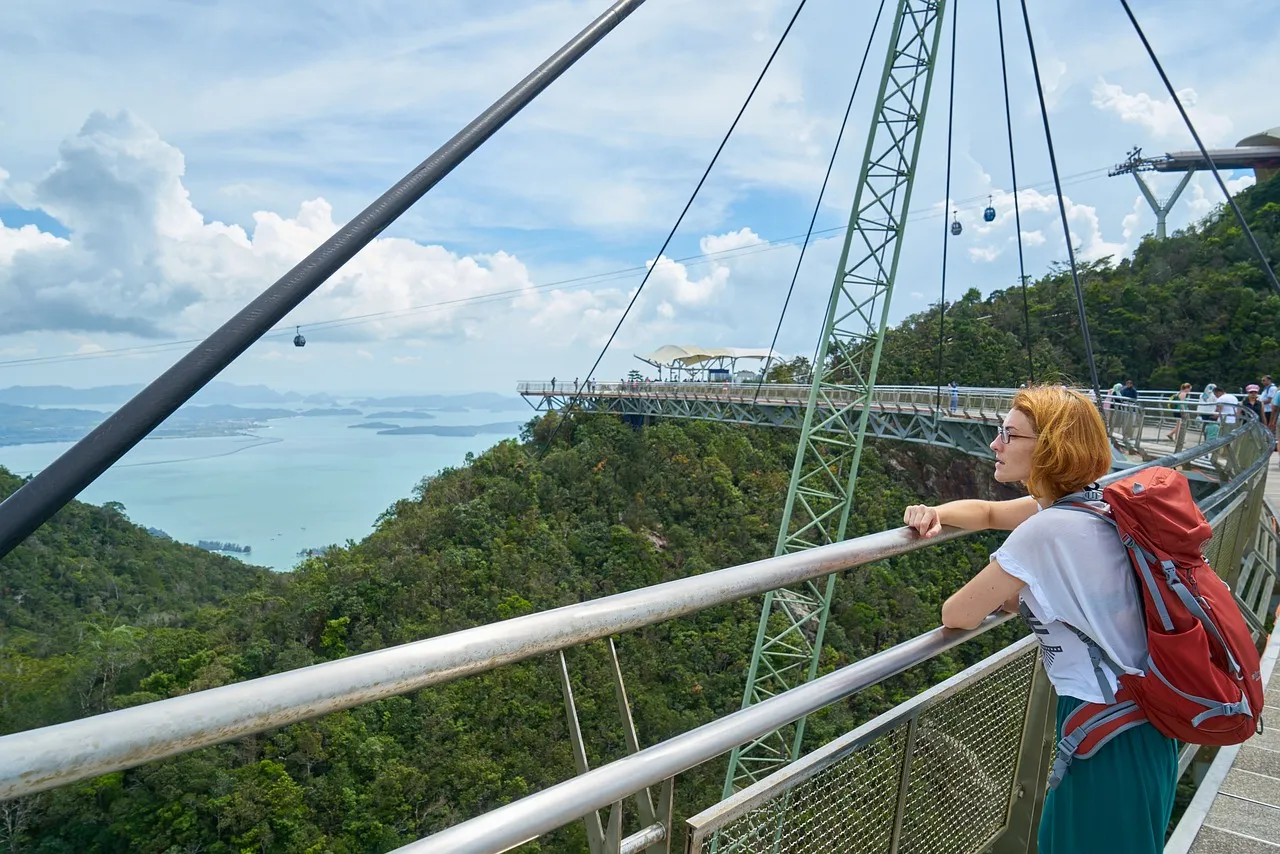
(793, 621)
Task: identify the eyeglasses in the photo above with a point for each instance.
(1006, 437)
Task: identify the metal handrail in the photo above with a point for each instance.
(40, 759)
(530, 817)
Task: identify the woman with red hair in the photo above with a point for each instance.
(1067, 574)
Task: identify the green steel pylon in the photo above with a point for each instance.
(792, 623)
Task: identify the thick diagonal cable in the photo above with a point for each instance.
(680, 219)
(1062, 208)
(817, 206)
(1204, 152)
(1017, 208)
(59, 482)
(946, 200)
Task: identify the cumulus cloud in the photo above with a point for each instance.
(1205, 195)
(1086, 229)
(1160, 116)
(142, 259)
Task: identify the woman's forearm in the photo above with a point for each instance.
(970, 514)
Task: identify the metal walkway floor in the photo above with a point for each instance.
(1236, 809)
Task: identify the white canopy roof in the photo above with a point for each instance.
(688, 356)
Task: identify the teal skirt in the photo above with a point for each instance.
(1118, 800)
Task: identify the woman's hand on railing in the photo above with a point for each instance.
(923, 519)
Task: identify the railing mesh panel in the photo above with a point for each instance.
(964, 761)
(848, 807)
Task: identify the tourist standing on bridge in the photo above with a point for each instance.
(1067, 573)
(1251, 401)
(1133, 415)
(1228, 404)
(955, 395)
(1180, 403)
(1269, 403)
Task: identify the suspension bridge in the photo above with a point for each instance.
(961, 767)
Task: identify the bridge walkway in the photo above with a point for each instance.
(1236, 809)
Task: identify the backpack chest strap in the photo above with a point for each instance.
(1088, 728)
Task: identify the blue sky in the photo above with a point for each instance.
(162, 162)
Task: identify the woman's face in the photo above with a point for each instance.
(1013, 460)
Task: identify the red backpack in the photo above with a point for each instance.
(1201, 682)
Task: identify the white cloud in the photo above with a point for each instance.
(739, 239)
(142, 258)
(1160, 116)
(1086, 230)
(406, 360)
(1205, 194)
(28, 238)
(1129, 225)
(364, 354)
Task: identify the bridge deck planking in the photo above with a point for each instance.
(1236, 810)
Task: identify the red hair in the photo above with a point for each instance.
(1072, 449)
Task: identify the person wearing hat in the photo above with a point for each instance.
(1251, 401)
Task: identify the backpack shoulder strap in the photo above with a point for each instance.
(1098, 657)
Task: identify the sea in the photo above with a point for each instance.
(293, 484)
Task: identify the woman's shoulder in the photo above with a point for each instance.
(1061, 522)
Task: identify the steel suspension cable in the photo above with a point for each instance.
(817, 206)
(946, 200)
(1017, 208)
(1204, 152)
(1062, 209)
(680, 219)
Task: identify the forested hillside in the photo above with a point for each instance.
(99, 615)
(1195, 308)
(609, 509)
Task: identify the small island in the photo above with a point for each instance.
(219, 546)
(457, 430)
(373, 425)
(404, 413)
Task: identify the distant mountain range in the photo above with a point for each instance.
(215, 393)
(219, 409)
(448, 402)
(231, 394)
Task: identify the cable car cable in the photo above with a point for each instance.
(1017, 211)
(1213, 167)
(1062, 208)
(942, 300)
(764, 371)
(672, 233)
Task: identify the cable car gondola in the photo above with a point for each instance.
(956, 227)
(989, 215)
(298, 340)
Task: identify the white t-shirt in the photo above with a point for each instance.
(1229, 403)
(1077, 572)
(1268, 395)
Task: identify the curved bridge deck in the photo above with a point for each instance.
(1236, 809)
